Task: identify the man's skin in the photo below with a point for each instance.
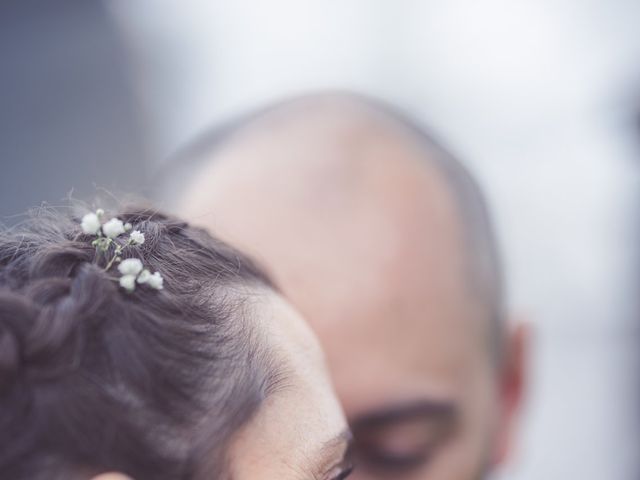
(365, 236)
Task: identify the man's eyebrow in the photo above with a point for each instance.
(406, 411)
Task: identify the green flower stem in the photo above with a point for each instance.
(117, 252)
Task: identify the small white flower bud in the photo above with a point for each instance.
(156, 281)
(113, 228)
(144, 276)
(127, 226)
(99, 212)
(137, 237)
(90, 224)
(128, 282)
(130, 266)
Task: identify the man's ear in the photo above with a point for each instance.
(512, 385)
(111, 476)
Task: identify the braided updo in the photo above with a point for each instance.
(94, 378)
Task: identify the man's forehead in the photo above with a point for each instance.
(384, 198)
(373, 226)
(378, 342)
(383, 263)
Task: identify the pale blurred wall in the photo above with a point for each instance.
(534, 96)
(68, 116)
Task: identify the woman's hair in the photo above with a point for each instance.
(148, 383)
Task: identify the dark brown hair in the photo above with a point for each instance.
(148, 383)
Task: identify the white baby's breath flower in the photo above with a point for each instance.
(90, 224)
(156, 281)
(113, 228)
(137, 237)
(153, 280)
(131, 269)
(144, 276)
(128, 282)
(130, 266)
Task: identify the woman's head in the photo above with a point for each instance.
(154, 384)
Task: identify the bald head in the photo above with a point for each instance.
(328, 171)
(382, 241)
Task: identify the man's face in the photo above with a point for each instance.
(416, 383)
(379, 272)
(385, 290)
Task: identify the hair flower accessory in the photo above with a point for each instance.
(113, 228)
(131, 269)
(130, 266)
(90, 224)
(137, 237)
(154, 280)
(128, 282)
(144, 276)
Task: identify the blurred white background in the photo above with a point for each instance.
(536, 96)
